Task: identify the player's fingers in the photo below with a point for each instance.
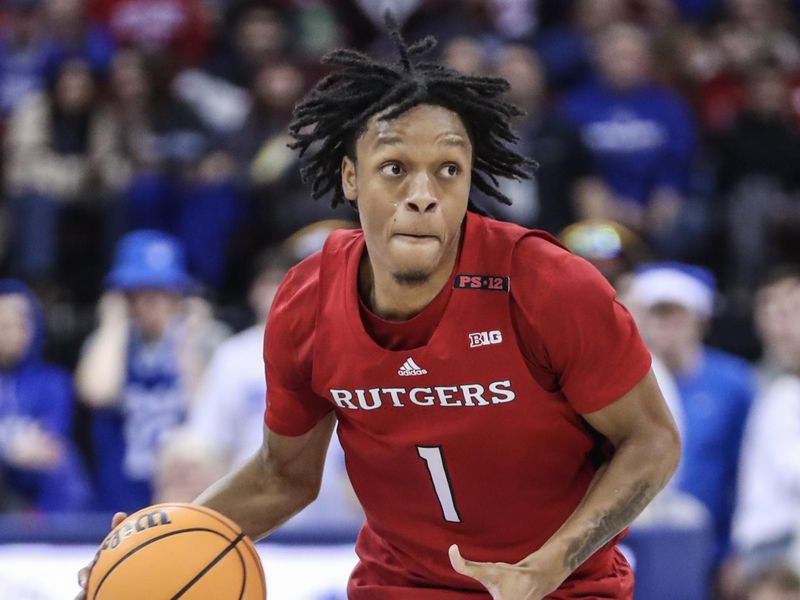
(462, 565)
(83, 576)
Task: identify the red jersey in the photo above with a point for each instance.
(476, 436)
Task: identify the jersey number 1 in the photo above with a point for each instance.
(432, 455)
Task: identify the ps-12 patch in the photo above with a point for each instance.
(497, 283)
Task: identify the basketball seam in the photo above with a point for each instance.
(257, 560)
(250, 548)
(147, 543)
(209, 566)
(244, 573)
(236, 530)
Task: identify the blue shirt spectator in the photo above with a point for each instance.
(25, 54)
(641, 139)
(139, 369)
(672, 303)
(565, 46)
(39, 464)
(127, 437)
(716, 401)
(564, 181)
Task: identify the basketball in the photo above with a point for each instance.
(171, 551)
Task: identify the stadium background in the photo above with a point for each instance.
(666, 129)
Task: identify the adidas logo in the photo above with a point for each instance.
(411, 368)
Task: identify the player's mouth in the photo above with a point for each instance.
(416, 236)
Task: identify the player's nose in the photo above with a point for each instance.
(421, 195)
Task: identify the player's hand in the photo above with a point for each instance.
(525, 580)
(83, 574)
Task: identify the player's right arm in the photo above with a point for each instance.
(285, 475)
(276, 483)
(281, 479)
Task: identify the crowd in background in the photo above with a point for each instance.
(150, 206)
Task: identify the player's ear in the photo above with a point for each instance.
(349, 185)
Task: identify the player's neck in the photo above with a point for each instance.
(395, 301)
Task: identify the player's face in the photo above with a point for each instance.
(411, 182)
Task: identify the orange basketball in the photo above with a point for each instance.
(176, 551)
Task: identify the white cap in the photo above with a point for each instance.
(687, 286)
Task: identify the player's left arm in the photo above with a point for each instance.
(647, 449)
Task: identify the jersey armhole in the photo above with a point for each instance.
(543, 374)
(537, 366)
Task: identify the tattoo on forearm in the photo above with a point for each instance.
(606, 525)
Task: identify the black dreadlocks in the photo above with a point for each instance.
(335, 113)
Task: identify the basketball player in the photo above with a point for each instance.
(500, 423)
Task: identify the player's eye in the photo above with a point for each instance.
(450, 170)
(392, 169)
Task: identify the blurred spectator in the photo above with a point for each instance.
(72, 33)
(565, 48)
(24, 53)
(774, 303)
(466, 54)
(758, 177)
(260, 144)
(140, 368)
(720, 61)
(269, 169)
(186, 465)
(776, 583)
(716, 388)
(229, 403)
(39, 465)
(175, 28)
(180, 183)
(57, 155)
(563, 185)
(768, 517)
(257, 35)
(641, 137)
(758, 28)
